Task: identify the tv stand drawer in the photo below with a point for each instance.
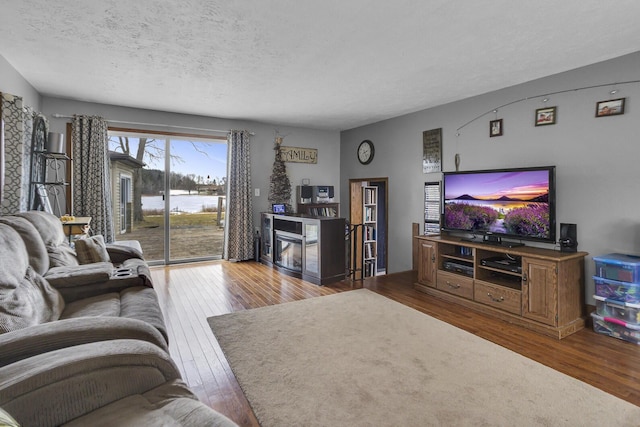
(499, 297)
(455, 284)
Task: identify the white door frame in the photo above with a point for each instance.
(126, 195)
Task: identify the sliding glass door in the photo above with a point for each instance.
(177, 195)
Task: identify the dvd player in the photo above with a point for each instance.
(512, 265)
(455, 267)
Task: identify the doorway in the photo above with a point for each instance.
(368, 197)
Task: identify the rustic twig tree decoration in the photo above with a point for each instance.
(280, 187)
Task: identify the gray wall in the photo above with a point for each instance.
(12, 82)
(262, 155)
(325, 172)
(596, 158)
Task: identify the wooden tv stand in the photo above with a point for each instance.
(539, 289)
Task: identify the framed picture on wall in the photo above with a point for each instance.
(546, 116)
(432, 150)
(495, 128)
(610, 108)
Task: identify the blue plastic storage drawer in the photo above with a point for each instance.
(627, 312)
(616, 328)
(625, 268)
(617, 291)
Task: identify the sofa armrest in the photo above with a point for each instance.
(121, 251)
(98, 278)
(56, 387)
(46, 337)
(79, 275)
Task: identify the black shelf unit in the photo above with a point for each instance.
(432, 207)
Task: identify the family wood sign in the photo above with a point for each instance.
(299, 154)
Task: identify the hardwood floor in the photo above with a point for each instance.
(189, 293)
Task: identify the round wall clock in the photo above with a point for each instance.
(365, 152)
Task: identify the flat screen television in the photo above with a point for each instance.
(511, 203)
(279, 208)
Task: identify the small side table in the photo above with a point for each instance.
(79, 226)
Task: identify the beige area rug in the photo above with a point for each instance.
(360, 359)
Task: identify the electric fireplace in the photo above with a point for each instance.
(289, 241)
(307, 247)
(288, 251)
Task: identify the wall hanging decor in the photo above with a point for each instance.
(546, 116)
(432, 150)
(299, 155)
(495, 128)
(613, 107)
(619, 103)
(365, 152)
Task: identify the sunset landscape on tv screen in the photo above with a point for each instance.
(510, 202)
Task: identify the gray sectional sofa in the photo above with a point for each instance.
(82, 337)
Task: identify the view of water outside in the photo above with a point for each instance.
(181, 201)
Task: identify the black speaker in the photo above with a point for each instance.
(568, 238)
(331, 191)
(306, 192)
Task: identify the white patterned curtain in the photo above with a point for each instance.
(18, 125)
(239, 216)
(91, 177)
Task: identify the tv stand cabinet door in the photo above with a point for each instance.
(427, 255)
(540, 290)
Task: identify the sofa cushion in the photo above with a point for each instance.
(92, 249)
(62, 256)
(26, 298)
(53, 237)
(100, 305)
(171, 404)
(38, 256)
(140, 303)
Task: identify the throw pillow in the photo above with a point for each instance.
(92, 249)
(62, 256)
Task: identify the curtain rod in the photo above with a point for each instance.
(494, 110)
(64, 116)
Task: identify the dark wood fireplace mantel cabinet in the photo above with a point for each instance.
(310, 248)
(540, 289)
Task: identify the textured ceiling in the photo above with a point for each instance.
(328, 64)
